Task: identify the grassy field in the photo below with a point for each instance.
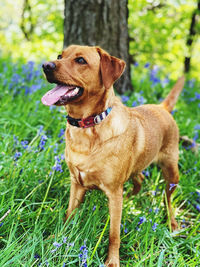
(35, 183)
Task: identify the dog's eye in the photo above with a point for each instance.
(59, 56)
(80, 60)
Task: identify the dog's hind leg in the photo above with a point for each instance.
(137, 182)
(171, 176)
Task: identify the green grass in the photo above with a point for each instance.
(38, 196)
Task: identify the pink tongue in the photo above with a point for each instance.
(52, 96)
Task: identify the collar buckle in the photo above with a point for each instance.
(87, 122)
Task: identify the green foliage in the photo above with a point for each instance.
(159, 30)
(34, 182)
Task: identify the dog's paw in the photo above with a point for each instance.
(112, 262)
(174, 225)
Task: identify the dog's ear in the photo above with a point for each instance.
(111, 67)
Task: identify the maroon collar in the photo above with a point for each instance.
(89, 121)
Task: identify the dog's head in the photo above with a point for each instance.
(79, 72)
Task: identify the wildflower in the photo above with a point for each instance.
(197, 95)
(153, 193)
(83, 255)
(37, 256)
(34, 88)
(57, 168)
(150, 210)
(24, 144)
(40, 129)
(141, 100)
(136, 64)
(146, 65)
(165, 81)
(56, 148)
(154, 226)
(171, 186)
(174, 111)
(62, 131)
(197, 127)
(94, 208)
(134, 104)
(56, 244)
(146, 173)
(142, 220)
(64, 239)
(124, 98)
(42, 142)
(156, 210)
(15, 140)
(197, 206)
(17, 155)
(1, 224)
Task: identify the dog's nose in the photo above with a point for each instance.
(48, 66)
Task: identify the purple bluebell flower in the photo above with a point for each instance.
(24, 144)
(15, 138)
(37, 256)
(146, 173)
(142, 220)
(1, 224)
(124, 98)
(141, 100)
(172, 186)
(134, 104)
(42, 142)
(62, 132)
(94, 208)
(165, 81)
(197, 127)
(154, 193)
(174, 111)
(146, 65)
(57, 167)
(17, 155)
(136, 64)
(197, 206)
(156, 210)
(65, 239)
(154, 226)
(197, 95)
(57, 245)
(83, 255)
(40, 129)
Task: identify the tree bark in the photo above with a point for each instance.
(190, 39)
(100, 23)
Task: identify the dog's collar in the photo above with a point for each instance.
(89, 121)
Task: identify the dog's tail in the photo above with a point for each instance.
(173, 95)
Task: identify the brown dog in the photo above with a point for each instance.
(107, 142)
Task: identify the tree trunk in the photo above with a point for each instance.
(102, 23)
(191, 36)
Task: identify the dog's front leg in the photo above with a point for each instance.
(115, 208)
(77, 193)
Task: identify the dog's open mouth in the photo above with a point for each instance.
(62, 94)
